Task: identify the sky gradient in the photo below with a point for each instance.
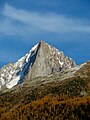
(64, 24)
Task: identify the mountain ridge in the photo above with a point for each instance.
(42, 60)
(62, 95)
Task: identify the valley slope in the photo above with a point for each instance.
(49, 98)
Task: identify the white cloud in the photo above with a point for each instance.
(23, 23)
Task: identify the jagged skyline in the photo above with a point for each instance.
(42, 60)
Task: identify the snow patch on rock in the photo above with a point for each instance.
(13, 82)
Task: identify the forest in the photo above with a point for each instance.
(50, 108)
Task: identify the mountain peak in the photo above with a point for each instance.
(42, 43)
(42, 60)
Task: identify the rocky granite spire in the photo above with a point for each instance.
(41, 60)
(49, 60)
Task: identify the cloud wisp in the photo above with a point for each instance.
(21, 23)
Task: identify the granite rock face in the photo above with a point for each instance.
(49, 60)
(41, 60)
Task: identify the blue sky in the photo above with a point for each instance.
(64, 24)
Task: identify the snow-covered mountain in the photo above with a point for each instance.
(41, 60)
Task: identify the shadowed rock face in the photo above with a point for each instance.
(41, 60)
(49, 60)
